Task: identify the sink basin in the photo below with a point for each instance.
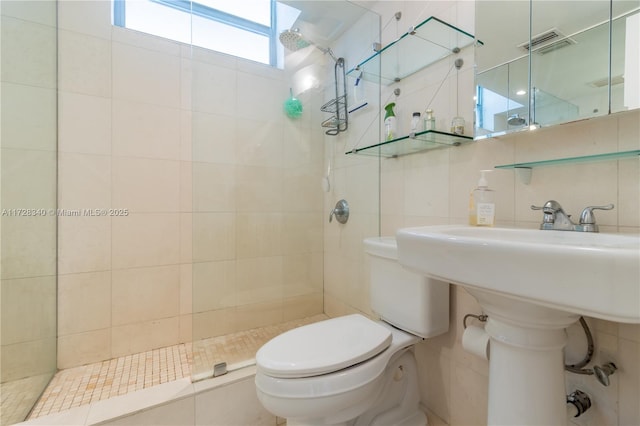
(592, 274)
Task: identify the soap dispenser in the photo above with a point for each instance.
(482, 208)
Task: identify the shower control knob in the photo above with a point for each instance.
(340, 211)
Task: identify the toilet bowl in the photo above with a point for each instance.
(352, 370)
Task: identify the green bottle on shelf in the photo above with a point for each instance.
(390, 124)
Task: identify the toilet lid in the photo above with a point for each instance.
(323, 347)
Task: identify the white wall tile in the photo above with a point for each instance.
(303, 233)
(84, 124)
(628, 193)
(186, 237)
(145, 185)
(214, 285)
(303, 185)
(214, 187)
(145, 130)
(424, 193)
(628, 131)
(259, 234)
(259, 189)
(86, 17)
(28, 359)
(38, 12)
(259, 143)
(84, 348)
(145, 76)
(214, 236)
(259, 280)
(144, 336)
(217, 89)
(84, 181)
(28, 53)
(28, 117)
(84, 302)
(186, 285)
(28, 309)
(28, 179)
(214, 138)
(143, 294)
(146, 239)
(267, 106)
(28, 246)
(84, 244)
(84, 64)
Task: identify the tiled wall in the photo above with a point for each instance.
(180, 140)
(433, 188)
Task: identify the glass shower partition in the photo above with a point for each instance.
(257, 175)
(28, 198)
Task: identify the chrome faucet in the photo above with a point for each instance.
(556, 219)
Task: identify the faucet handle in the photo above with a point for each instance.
(588, 218)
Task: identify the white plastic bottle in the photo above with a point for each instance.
(482, 207)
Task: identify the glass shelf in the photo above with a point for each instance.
(421, 46)
(572, 160)
(524, 170)
(425, 140)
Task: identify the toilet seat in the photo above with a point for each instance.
(323, 347)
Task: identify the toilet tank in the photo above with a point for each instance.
(409, 301)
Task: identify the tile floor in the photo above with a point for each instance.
(18, 396)
(82, 385)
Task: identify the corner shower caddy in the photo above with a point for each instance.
(421, 46)
(337, 107)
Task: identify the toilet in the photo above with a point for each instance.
(351, 370)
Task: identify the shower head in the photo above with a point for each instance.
(292, 39)
(516, 120)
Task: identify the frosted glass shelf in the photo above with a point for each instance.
(571, 160)
(524, 170)
(405, 145)
(421, 46)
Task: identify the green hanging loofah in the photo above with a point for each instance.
(292, 106)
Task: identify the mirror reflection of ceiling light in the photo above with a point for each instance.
(521, 92)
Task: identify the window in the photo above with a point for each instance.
(247, 29)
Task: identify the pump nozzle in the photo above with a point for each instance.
(482, 183)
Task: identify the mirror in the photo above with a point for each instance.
(566, 77)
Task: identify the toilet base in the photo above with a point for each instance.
(399, 401)
(395, 404)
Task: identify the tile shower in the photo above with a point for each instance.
(198, 242)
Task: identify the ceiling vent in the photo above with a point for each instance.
(547, 41)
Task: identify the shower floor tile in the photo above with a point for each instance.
(74, 387)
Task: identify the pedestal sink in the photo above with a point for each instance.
(532, 284)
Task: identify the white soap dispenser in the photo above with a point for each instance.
(482, 207)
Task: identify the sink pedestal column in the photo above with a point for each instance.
(526, 366)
